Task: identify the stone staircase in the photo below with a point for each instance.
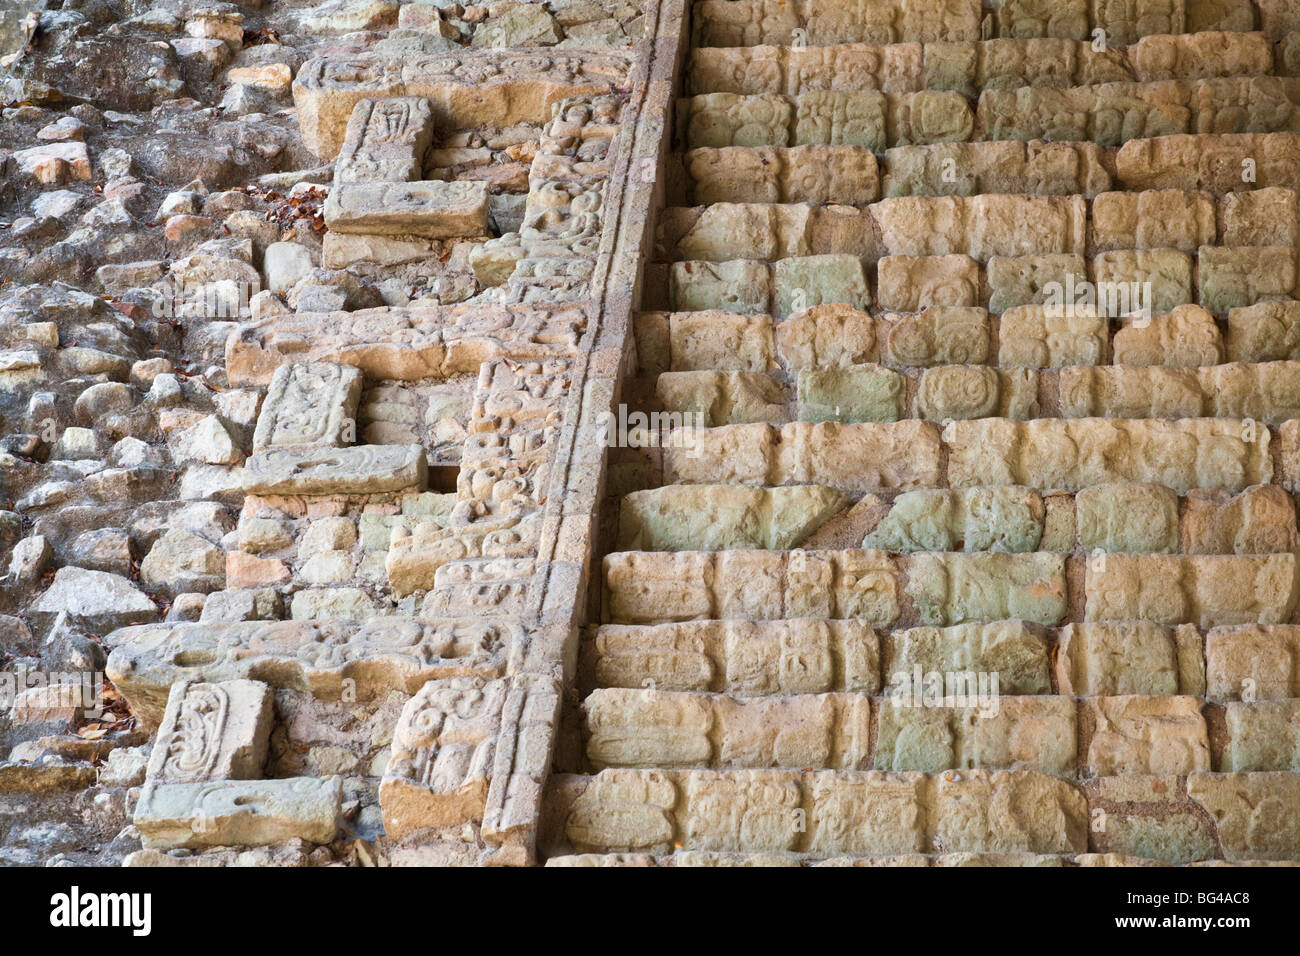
(969, 358)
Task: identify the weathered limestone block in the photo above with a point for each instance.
(1121, 516)
(1252, 663)
(1121, 391)
(748, 811)
(432, 209)
(765, 231)
(854, 458)
(970, 169)
(938, 335)
(1149, 815)
(1264, 332)
(1262, 735)
(1059, 525)
(444, 747)
(1201, 55)
(1219, 162)
(1108, 115)
(1266, 391)
(960, 588)
(741, 286)
(493, 586)
(722, 398)
(239, 812)
(1046, 336)
(810, 281)
(976, 731)
(654, 587)
(213, 732)
(740, 810)
(1032, 280)
(719, 120)
(484, 88)
(723, 517)
(524, 754)
(1004, 519)
(649, 728)
(1112, 658)
(912, 283)
(853, 814)
(1259, 520)
(777, 174)
(386, 141)
(981, 226)
(1254, 812)
(1229, 278)
(1264, 217)
(429, 555)
(927, 117)
(1289, 455)
(857, 393)
(741, 658)
(1008, 811)
(1114, 113)
(899, 21)
(749, 23)
(624, 811)
(1136, 279)
(951, 392)
(892, 68)
(1187, 337)
(1207, 590)
(310, 403)
(825, 337)
(967, 68)
(405, 344)
(721, 341)
(1153, 219)
(1145, 734)
(316, 656)
(1024, 18)
(360, 470)
(1071, 454)
(1013, 650)
(727, 231)
(1277, 18)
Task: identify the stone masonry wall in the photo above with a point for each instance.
(655, 433)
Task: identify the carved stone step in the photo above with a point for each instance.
(1047, 454)
(1117, 517)
(968, 817)
(969, 68)
(741, 23)
(823, 814)
(805, 656)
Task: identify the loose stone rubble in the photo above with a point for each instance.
(651, 433)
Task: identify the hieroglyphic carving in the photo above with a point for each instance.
(493, 87)
(309, 403)
(505, 465)
(386, 141)
(443, 751)
(212, 732)
(407, 344)
(317, 656)
(553, 254)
